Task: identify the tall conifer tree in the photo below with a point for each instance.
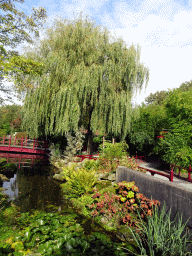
(88, 79)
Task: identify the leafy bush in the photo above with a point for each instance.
(3, 200)
(120, 208)
(79, 182)
(160, 236)
(10, 213)
(129, 162)
(111, 151)
(7, 168)
(91, 165)
(111, 154)
(69, 169)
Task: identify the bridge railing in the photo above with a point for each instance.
(23, 143)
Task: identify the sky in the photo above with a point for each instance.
(162, 28)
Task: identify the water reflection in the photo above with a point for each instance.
(32, 186)
(11, 188)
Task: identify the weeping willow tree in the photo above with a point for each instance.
(88, 79)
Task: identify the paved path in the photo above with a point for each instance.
(155, 164)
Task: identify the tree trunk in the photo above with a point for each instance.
(90, 134)
(89, 142)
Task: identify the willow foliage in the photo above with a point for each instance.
(88, 78)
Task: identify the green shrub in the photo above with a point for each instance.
(111, 151)
(79, 182)
(69, 169)
(10, 214)
(3, 201)
(91, 165)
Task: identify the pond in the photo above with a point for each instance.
(32, 187)
(56, 227)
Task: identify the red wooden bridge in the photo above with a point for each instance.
(24, 145)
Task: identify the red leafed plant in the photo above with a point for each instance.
(111, 205)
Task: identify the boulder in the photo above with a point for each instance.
(112, 177)
(103, 176)
(58, 177)
(104, 220)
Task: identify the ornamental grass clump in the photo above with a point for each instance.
(161, 236)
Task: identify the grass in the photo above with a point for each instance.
(162, 237)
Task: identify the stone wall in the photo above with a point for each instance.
(175, 196)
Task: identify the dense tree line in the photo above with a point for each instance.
(169, 111)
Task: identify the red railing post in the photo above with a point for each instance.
(171, 175)
(22, 143)
(26, 142)
(9, 142)
(189, 173)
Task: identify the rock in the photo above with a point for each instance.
(110, 224)
(124, 235)
(104, 220)
(103, 176)
(112, 177)
(58, 177)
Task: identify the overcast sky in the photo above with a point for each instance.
(162, 28)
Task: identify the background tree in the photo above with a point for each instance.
(16, 28)
(157, 97)
(172, 112)
(176, 147)
(142, 137)
(186, 86)
(88, 79)
(10, 119)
